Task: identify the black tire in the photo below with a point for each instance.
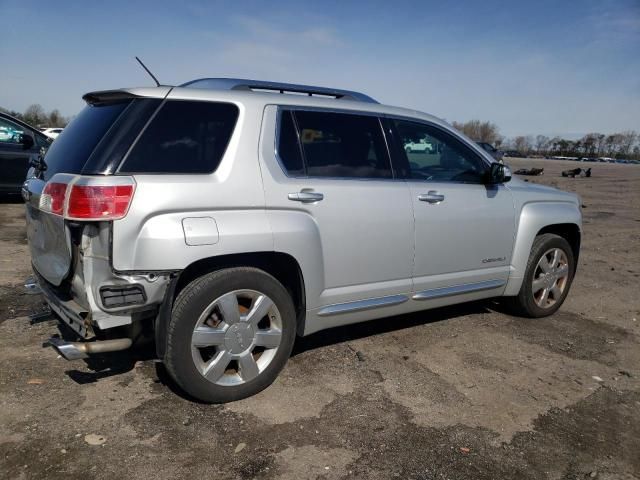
(524, 303)
(188, 307)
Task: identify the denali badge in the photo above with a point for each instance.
(497, 259)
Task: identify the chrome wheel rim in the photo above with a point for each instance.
(550, 278)
(236, 337)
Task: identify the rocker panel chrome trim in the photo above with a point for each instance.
(458, 289)
(362, 305)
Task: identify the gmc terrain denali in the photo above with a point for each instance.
(228, 216)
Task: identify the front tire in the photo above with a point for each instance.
(231, 332)
(548, 277)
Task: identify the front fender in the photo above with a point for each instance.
(535, 216)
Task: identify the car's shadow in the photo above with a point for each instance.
(384, 325)
(117, 363)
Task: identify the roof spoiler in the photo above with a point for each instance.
(107, 96)
(103, 97)
(277, 87)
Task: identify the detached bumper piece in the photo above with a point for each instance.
(122, 296)
(79, 350)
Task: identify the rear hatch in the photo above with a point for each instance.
(94, 143)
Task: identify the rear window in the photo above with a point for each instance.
(72, 148)
(184, 137)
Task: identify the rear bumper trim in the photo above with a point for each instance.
(70, 312)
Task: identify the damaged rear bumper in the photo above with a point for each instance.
(67, 309)
(108, 304)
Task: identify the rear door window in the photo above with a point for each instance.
(289, 150)
(70, 152)
(339, 145)
(184, 137)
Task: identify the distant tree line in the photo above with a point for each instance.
(623, 145)
(35, 115)
(480, 131)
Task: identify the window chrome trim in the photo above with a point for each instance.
(361, 305)
(458, 289)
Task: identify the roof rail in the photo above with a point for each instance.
(266, 86)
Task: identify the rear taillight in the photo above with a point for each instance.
(99, 202)
(88, 198)
(52, 198)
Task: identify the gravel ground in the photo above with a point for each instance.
(460, 393)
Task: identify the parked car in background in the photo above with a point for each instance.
(514, 154)
(52, 132)
(422, 146)
(19, 143)
(491, 150)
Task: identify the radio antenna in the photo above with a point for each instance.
(148, 71)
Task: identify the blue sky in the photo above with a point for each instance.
(551, 67)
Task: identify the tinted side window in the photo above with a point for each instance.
(433, 154)
(184, 137)
(10, 132)
(342, 145)
(289, 146)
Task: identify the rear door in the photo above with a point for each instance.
(465, 228)
(332, 197)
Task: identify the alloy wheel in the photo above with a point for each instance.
(550, 278)
(236, 337)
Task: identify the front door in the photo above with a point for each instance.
(464, 227)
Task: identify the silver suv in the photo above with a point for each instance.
(227, 216)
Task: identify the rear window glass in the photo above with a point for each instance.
(71, 149)
(184, 137)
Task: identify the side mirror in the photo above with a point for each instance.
(26, 141)
(499, 173)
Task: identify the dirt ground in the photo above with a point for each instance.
(457, 393)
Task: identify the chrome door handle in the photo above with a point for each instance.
(306, 197)
(431, 197)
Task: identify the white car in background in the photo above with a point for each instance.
(419, 147)
(52, 132)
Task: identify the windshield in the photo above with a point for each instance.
(72, 148)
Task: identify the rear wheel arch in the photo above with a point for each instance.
(282, 266)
